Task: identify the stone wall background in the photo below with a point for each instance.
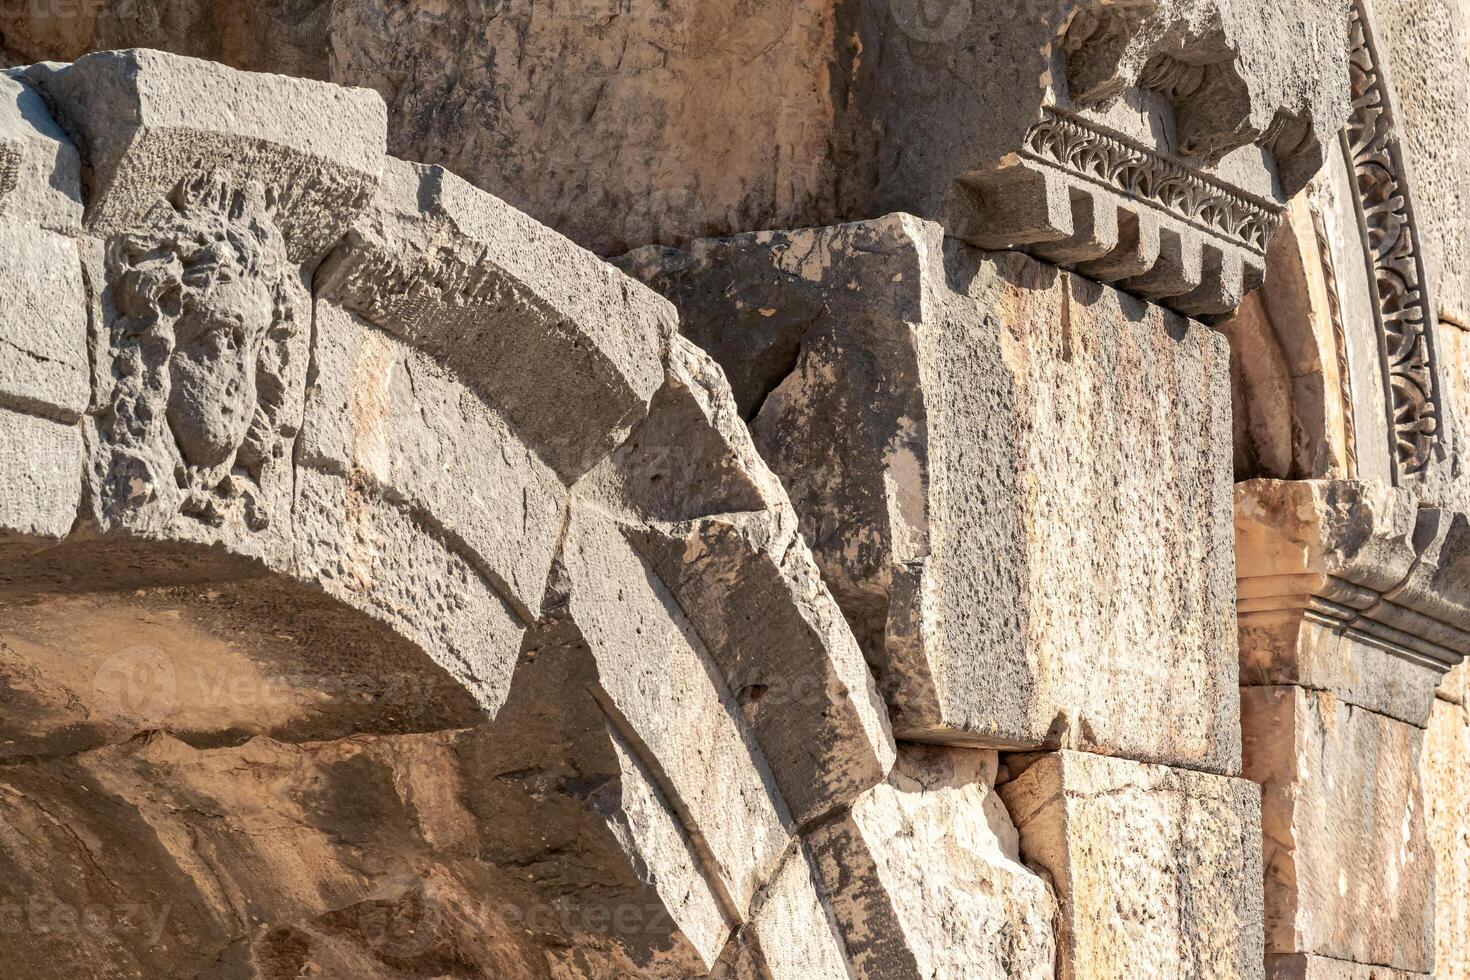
(1068, 794)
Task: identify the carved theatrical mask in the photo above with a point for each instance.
(202, 313)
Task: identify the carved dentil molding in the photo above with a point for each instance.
(1088, 152)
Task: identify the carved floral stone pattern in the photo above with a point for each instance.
(1404, 309)
(201, 316)
(1148, 177)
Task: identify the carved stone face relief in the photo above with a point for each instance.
(201, 312)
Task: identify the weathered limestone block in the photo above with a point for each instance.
(1013, 480)
(145, 120)
(924, 878)
(1443, 765)
(1298, 967)
(715, 525)
(528, 320)
(658, 688)
(1349, 871)
(40, 481)
(1456, 685)
(1157, 870)
(791, 935)
(588, 817)
(43, 313)
(1350, 587)
(380, 412)
(377, 556)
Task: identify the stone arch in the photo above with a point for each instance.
(319, 413)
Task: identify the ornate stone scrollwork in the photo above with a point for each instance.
(1403, 307)
(1145, 176)
(202, 305)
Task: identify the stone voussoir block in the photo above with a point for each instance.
(1157, 870)
(714, 523)
(562, 343)
(144, 120)
(924, 878)
(1013, 480)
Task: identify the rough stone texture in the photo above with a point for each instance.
(40, 479)
(624, 125)
(1349, 870)
(43, 323)
(792, 934)
(387, 590)
(1425, 42)
(1350, 587)
(382, 414)
(925, 879)
(1157, 871)
(144, 120)
(714, 524)
(1445, 760)
(1297, 967)
(893, 377)
(527, 319)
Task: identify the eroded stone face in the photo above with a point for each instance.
(1445, 756)
(1157, 871)
(925, 879)
(207, 340)
(943, 419)
(1349, 870)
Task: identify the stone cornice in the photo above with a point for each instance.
(1091, 153)
(1363, 558)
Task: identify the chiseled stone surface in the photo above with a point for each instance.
(390, 588)
(941, 417)
(925, 878)
(791, 934)
(1157, 870)
(622, 125)
(1299, 967)
(1443, 765)
(1425, 42)
(1349, 868)
(40, 479)
(714, 524)
(43, 319)
(526, 318)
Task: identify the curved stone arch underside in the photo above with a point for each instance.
(331, 469)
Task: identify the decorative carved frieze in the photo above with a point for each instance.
(1160, 155)
(1403, 302)
(1092, 154)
